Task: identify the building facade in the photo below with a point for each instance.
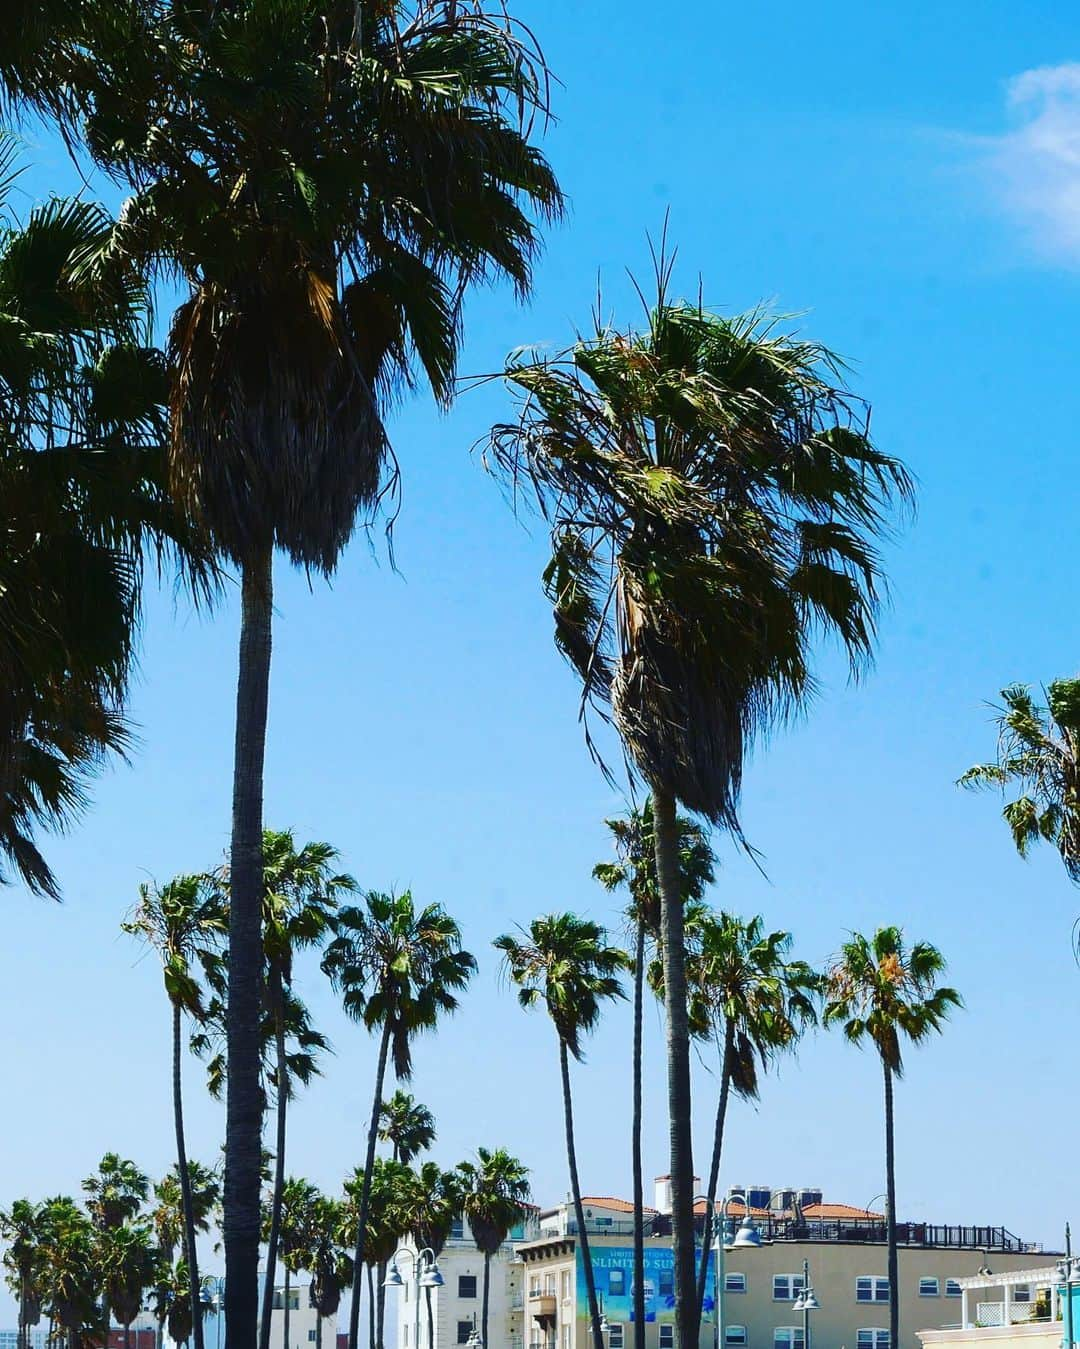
(1013, 1309)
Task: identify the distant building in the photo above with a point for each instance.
(1012, 1309)
(303, 1321)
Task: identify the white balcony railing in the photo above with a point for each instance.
(993, 1314)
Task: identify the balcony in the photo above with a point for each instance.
(542, 1306)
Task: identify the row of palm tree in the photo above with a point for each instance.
(85, 1265)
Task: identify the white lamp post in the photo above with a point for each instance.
(426, 1268)
(806, 1303)
(746, 1238)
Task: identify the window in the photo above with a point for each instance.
(665, 1282)
(566, 1285)
(405, 1333)
(928, 1288)
(869, 1288)
(873, 1339)
(457, 1229)
(466, 1285)
(667, 1335)
(1021, 1292)
(567, 1335)
(734, 1283)
(549, 1285)
(464, 1330)
(734, 1334)
(534, 1286)
(615, 1335)
(788, 1337)
(952, 1288)
(786, 1287)
(616, 1282)
(312, 1336)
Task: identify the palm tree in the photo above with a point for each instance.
(495, 1198)
(294, 1216)
(185, 922)
(381, 1188)
(117, 1191)
(431, 1202)
(1039, 752)
(565, 963)
(20, 1227)
(398, 969)
(129, 1263)
(327, 1259)
(407, 1125)
(69, 1273)
(757, 1002)
(169, 1214)
(173, 1307)
(82, 499)
(879, 989)
(301, 892)
(635, 870)
(363, 163)
(713, 497)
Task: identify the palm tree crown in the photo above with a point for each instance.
(1039, 752)
(565, 963)
(495, 1196)
(407, 1125)
(879, 989)
(635, 864)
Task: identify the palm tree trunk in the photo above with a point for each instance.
(274, 1236)
(890, 1213)
(380, 1305)
(484, 1303)
(285, 1312)
(635, 1130)
(318, 1327)
(243, 1125)
(575, 1188)
(372, 1341)
(714, 1167)
(678, 1055)
(365, 1191)
(127, 1336)
(186, 1203)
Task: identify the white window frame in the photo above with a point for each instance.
(929, 1279)
(1022, 1293)
(794, 1284)
(879, 1337)
(793, 1337)
(668, 1326)
(740, 1287)
(953, 1289)
(877, 1286)
(735, 1335)
(616, 1335)
(617, 1269)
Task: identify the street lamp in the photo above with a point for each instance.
(426, 1267)
(605, 1324)
(746, 1238)
(474, 1341)
(806, 1303)
(1069, 1275)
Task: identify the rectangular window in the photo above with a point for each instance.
(615, 1335)
(457, 1229)
(873, 1339)
(312, 1336)
(786, 1287)
(869, 1288)
(788, 1337)
(549, 1284)
(464, 1330)
(616, 1283)
(466, 1285)
(734, 1334)
(534, 1286)
(566, 1285)
(734, 1283)
(567, 1335)
(667, 1335)
(952, 1288)
(928, 1287)
(405, 1334)
(665, 1282)
(1021, 1292)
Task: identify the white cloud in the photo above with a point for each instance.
(1035, 167)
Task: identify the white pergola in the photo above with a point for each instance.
(1046, 1276)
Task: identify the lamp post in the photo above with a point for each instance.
(428, 1275)
(806, 1303)
(1069, 1276)
(746, 1238)
(474, 1341)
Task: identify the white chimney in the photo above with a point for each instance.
(662, 1193)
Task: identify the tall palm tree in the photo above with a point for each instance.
(398, 969)
(294, 1214)
(82, 501)
(381, 1189)
(20, 1227)
(116, 1191)
(70, 1275)
(327, 1259)
(565, 962)
(495, 1198)
(362, 164)
(882, 990)
(635, 870)
(185, 922)
(301, 892)
(1039, 753)
(713, 497)
(129, 1263)
(407, 1125)
(757, 1002)
(169, 1214)
(430, 1203)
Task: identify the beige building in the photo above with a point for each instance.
(993, 1316)
(842, 1248)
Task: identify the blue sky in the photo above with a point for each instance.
(900, 178)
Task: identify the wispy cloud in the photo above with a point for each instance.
(1035, 166)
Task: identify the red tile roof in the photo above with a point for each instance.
(616, 1205)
